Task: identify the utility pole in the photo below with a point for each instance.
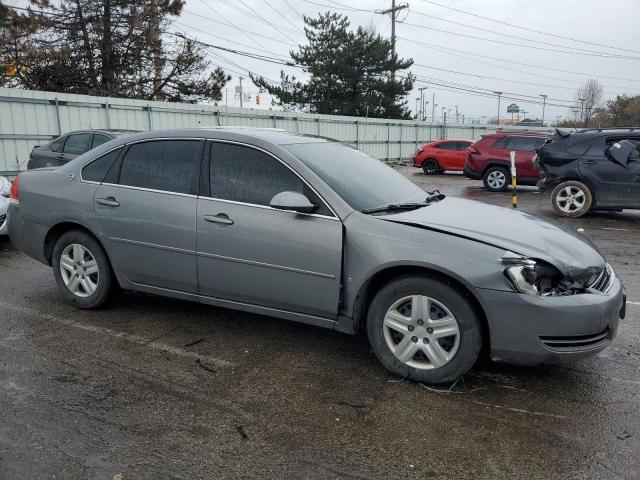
(457, 115)
(433, 107)
(422, 109)
(393, 11)
(544, 104)
(582, 119)
(241, 92)
(418, 113)
(499, 95)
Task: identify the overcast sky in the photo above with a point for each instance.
(274, 27)
(613, 23)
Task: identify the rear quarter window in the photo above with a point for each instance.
(97, 170)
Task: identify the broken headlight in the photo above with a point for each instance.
(535, 277)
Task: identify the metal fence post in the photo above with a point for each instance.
(388, 141)
(318, 124)
(58, 117)
(357, 134)
(106, 110)
(275, 122)
(148, 108)
(417, 129)
(400, 149)
(297, 124)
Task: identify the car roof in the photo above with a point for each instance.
(271, 135)
(519, 134)
(453, 140)
(111, 131)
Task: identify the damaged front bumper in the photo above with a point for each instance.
(529, 329)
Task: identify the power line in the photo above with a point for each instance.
(296, 27)
(466, 25)
(293, 8)
(474, 37)
(257, 15)
(527, 28)
(545, 67)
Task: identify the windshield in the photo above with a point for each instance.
(362, 181)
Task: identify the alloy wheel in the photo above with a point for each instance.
(497, 179)
(570, 199)
(79, 270)
(421, 332)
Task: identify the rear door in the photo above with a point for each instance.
(146, 210)
(251, 253)
(461, 154)
(524, 147)
(615, 183)
(447, 155)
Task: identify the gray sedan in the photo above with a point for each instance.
(311, 230)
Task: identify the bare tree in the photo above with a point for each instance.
(589, 99)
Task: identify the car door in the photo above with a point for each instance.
(524, 147)
(460, 155)
(75, 144)
(614, 183)
(251, 253)
(446, 155)
(146, 211)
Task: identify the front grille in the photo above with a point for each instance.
(2, 219)
(603, 280)
(577, 343)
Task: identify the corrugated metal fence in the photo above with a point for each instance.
(29, 118)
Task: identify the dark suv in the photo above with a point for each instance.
(591, 170)
(489, 159)
(68, 146)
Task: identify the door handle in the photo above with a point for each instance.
(589, 162)
(60, 155)
(107, 202)
(221, 219)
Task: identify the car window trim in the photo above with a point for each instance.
(233, 142)
(127, 146)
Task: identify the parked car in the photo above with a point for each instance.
(436, 157)
(68, 146)
(489, 159)
(5, 187)
(311, 230)
(591, 170)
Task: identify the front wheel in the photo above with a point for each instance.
(82, 270)
(423, 329)
(571, 199)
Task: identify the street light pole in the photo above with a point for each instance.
(499, 95)
(417, 109)
(544, 104)
(582, 119)
(433, 107)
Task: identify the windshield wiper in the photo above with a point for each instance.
(396, 206)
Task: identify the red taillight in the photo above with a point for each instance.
(472, 150)
(14, 193)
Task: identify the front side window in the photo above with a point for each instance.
(167, 165)
(78, 144)
(361, 180)
(97, 170)
(244, 174)
(447, 146)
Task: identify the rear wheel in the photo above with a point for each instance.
(496, 179)
(430, 166)
(82, 270)
(423, 329)
(571, 199)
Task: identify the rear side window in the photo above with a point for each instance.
(97, 170)
(501, 142)
(526, 144)
(464, 145)
(56, 145)
(78, 144)
(244, 174)
(99, 140)
(167, 165)
(448, 146)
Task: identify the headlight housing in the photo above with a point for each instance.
(534, 277)
(5, 186)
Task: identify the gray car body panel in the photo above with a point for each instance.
(315, 273)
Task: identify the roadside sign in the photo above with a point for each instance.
(513, 108)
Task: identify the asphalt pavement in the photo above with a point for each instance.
(156, 388)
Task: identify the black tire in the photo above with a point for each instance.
(496, 179)
(458, 304)
(563, 195)
(104, 279)
(430, 166)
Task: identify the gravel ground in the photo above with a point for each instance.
(161, 388)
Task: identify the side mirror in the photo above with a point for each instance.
(293, 201)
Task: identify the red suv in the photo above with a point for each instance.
(489, 159)
(442, 155)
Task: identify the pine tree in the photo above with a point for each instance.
(108, 47)
(350, 73)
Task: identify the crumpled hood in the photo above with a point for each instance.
(520, 232)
